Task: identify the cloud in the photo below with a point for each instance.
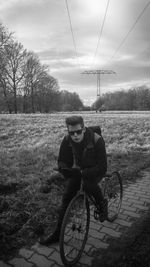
(43, 27)
(55, 54)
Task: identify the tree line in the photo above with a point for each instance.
(25, 84)
(137, 98)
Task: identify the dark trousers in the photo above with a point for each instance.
(73, 185)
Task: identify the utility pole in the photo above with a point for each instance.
(98, 73)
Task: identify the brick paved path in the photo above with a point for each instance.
(136, 201)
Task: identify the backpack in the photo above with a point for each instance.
(97, 133)
(95, 129)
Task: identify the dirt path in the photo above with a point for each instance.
(109, 244)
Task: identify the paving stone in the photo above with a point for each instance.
(123, 216)
(96, 243)
(132, 200)
(110, 232)
(92, 220)
(129, 193)
(131, 214)
(96, 234)
(40, 261)
(136, 198)
(111, 225)
(87, 248)
(143, 189)
(141, 207)
(86, 260)
(20, 262)
(35, 246)
(55, 256)
(140, 202)
(128, 203)
(126, 207)
(55, 247)
(44, 250)
(145, 199)
(142, 181)
(95, 225)
(142, 193)
(133, 189)
(123, 222)
(26, 253)
(125, 198)
(130, 197)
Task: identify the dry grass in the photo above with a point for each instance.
(28, 153)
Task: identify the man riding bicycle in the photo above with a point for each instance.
(83, 152)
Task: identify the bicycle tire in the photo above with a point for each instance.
(77, 217)
(113, 192)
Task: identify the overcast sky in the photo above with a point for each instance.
(43, 26)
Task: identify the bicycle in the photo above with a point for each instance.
(76, 221)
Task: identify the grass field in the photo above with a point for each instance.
(29, 146)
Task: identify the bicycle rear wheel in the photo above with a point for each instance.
(74, 230)
(113, 192)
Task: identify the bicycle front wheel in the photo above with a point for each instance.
(113, 192)
(74, 230)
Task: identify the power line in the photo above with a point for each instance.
(71, 27)
(131, 29)
(101, 30)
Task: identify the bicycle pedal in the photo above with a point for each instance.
(96, 214)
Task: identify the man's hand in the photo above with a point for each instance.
(76, 172)
(71, 172)
(67, 172)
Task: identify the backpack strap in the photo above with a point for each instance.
(96, 137)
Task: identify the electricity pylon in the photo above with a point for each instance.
(98, 73)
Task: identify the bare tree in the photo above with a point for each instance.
(12, 55)
(48, 91)
(33, 71)
(14, 73)
(5, 38)
(70, 101)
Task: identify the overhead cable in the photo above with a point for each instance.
(131, 29)
(101, 30)
(71, 27)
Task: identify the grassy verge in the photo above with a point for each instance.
(29, 148)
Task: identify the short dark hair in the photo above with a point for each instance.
(74, 120)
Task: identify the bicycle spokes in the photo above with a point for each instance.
(113, 193)
(74, 231)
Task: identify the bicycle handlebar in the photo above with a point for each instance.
(68, 172)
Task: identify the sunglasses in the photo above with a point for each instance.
(77, 132)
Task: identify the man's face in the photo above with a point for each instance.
(76, 132)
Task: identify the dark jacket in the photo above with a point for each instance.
(93, 161)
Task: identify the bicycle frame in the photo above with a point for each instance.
(75, 226)
(86, 195)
